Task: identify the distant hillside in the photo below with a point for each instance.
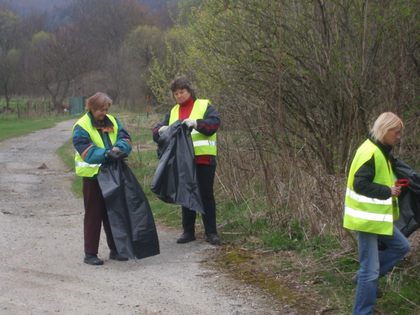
(156, 4)
(25, 7)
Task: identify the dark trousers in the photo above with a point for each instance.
(205, 177)
(95, 215)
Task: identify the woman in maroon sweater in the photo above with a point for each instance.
(205, 163)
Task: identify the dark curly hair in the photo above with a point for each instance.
(181, 83)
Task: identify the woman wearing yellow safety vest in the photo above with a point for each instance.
(204, 120)
(371, 206)
(98, 138)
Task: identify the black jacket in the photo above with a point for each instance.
(363, 179)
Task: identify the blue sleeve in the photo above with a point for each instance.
(84, 145)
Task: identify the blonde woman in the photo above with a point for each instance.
(371, 206)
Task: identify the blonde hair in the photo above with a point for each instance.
(386, 121)
(97, 101)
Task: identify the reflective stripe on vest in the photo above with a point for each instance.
(84, 164)
(360, 198)
(367, 214)
(83, 168)
(203, 145)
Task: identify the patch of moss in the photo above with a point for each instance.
(246, 266)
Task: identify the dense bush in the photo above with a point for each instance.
(298, 84)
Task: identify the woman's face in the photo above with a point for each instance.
(100, 113)
(181, 95)
(393, 136)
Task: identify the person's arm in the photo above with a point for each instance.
(210, 122)
(155, 129)
(84, 145)
(364, 185)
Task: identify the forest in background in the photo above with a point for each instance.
(80, 46)
(297, 83)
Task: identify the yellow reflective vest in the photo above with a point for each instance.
(85, 169)
(362, 213)
(203, 145)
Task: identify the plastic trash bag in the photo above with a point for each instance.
(175, 179)
(131, 219)
(409, 200)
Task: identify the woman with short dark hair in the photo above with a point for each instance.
(203, 119)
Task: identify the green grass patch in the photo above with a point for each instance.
(401, 290)
(256, 269)
(19, 127)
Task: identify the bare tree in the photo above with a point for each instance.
(57, 59)
(106, 25)
(142, 45)
(9, 54)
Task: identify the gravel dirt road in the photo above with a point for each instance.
(41, 251)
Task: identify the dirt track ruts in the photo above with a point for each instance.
(41, 251)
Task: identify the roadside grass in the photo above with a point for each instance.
(26, 115)
(308, 273)
(10, 128)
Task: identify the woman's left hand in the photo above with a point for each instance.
(395, 191)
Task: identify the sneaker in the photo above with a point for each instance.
(185, 238)
(115, 256)
(93, 260)
(213, 239)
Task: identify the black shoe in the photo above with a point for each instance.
(213, 239)
(93, 260)
(115, 256)
(186, 238)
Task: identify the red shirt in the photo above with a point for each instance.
(185, 110)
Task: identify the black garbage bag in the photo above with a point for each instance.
(175, 179)
(131, 219)
(409, 200)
